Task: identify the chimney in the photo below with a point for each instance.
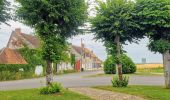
(18, 30)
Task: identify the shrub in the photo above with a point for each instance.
(51, 89)
(109, 66)
(128, 65)
(120, 83)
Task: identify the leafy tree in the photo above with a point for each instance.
(115, 24)
(154, 16)
(54, 21)
(4, 11)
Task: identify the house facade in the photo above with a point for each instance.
(84, 57)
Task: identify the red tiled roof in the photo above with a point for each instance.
(10, 56)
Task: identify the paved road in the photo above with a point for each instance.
(77, 80)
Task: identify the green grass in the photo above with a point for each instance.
(147, 92)
(33, 94)
(142, 72)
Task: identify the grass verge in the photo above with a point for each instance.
(34, 94)
(158, 71)
(147, 92)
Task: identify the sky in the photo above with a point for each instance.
(135, 51)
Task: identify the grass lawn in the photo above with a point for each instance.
(147, 92)
(141, 71)
(33, 94)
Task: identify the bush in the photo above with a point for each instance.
(128, 65)
(109, 66)
(118, 83)
(51, 89)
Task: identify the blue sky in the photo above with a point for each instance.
(135, 51)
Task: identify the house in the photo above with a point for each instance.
(83, 56)
(10, 56)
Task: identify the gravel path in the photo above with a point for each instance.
(97, 94)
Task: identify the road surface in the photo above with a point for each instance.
(77, 80)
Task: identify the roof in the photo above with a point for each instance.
(10, 56)
(77, 48)
(86, 51)
(32, 39)
(18, 39)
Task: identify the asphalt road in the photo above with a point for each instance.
(77, 80)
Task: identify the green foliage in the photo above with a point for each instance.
(73, 59)
(8, 75)
(4, 11)
(160, 46)
(11, 71)
(128, 65)
(115, 17)
(154, 17)
(120, 83)
(110, 66)
(51, 89)
(33, 57)
(54, 21)
(54, 49)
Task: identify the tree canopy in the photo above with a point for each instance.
(4, 11)
(154, 15)
(115, 17)
(54, 21)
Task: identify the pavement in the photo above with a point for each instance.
(77, 80)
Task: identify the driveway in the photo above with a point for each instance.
(77, 80)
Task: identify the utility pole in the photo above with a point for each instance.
(81, 60)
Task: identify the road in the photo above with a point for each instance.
(77, 80)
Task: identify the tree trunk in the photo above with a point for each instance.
(49, 73)
(166, 64)
(118, 54)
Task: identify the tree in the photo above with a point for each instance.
(154, 16)
(4, 11)
(54, 21)
(115, 24)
